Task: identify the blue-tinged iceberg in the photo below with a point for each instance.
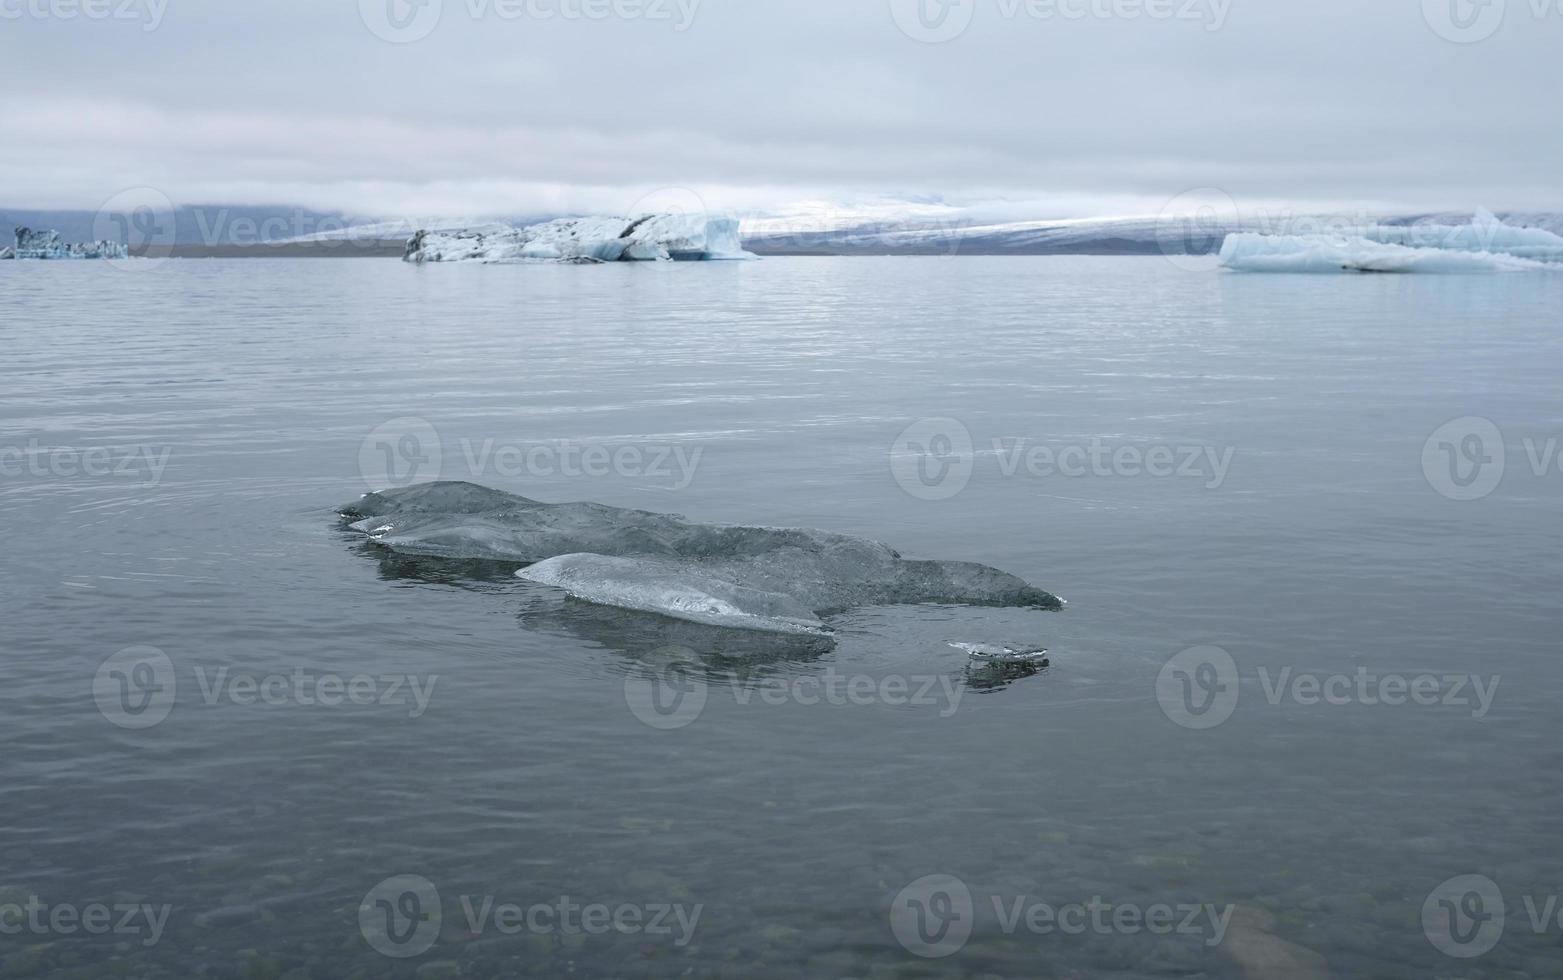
(648, 238)
(1484, 245)
(31, 244)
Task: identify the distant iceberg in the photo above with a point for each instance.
(31, 244)
(1484, 245)
(649, 238)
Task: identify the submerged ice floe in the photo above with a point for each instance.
(994, 653)
(1484, 245)
(781, 580)
(647, 238)
(680, 588)
(39, 244)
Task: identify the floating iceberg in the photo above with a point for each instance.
(32, 244)
(755, 578)
(1484, 245)
(649, 238)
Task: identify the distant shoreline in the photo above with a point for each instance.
(1108, 247)
(285, 250)
(393, 249)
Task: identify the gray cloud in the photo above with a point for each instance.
(525, 106)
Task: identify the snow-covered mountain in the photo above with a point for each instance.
(1192, 234)
(401, 229)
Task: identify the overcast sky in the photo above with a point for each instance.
(1052, 108)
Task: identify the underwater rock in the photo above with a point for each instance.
(1261, 954)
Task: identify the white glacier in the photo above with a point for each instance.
(647, 238)
(1484, 245)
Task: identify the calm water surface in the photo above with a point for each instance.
(230, 406)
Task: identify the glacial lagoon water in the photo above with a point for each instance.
(1303, 698)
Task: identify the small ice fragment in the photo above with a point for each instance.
(1001, 654)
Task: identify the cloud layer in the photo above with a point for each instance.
(530, 106)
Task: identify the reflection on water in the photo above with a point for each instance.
(990, 676)
(645, 637)
(473, 573)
